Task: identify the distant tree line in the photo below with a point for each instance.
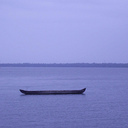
(118, 65)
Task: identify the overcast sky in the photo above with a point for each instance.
(63, 31)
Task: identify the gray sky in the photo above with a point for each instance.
(63, 31)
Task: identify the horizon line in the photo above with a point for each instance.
(114, 65)
(68, 63)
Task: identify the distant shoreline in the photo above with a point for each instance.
(112, 65)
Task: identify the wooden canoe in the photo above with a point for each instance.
(49, 92)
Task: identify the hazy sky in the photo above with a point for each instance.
(63, 31)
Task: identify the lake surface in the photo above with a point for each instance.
(103, 105)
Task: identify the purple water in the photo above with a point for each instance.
(103, 105)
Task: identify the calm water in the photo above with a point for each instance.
(104, 104)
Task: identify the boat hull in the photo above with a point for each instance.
(52, 92)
